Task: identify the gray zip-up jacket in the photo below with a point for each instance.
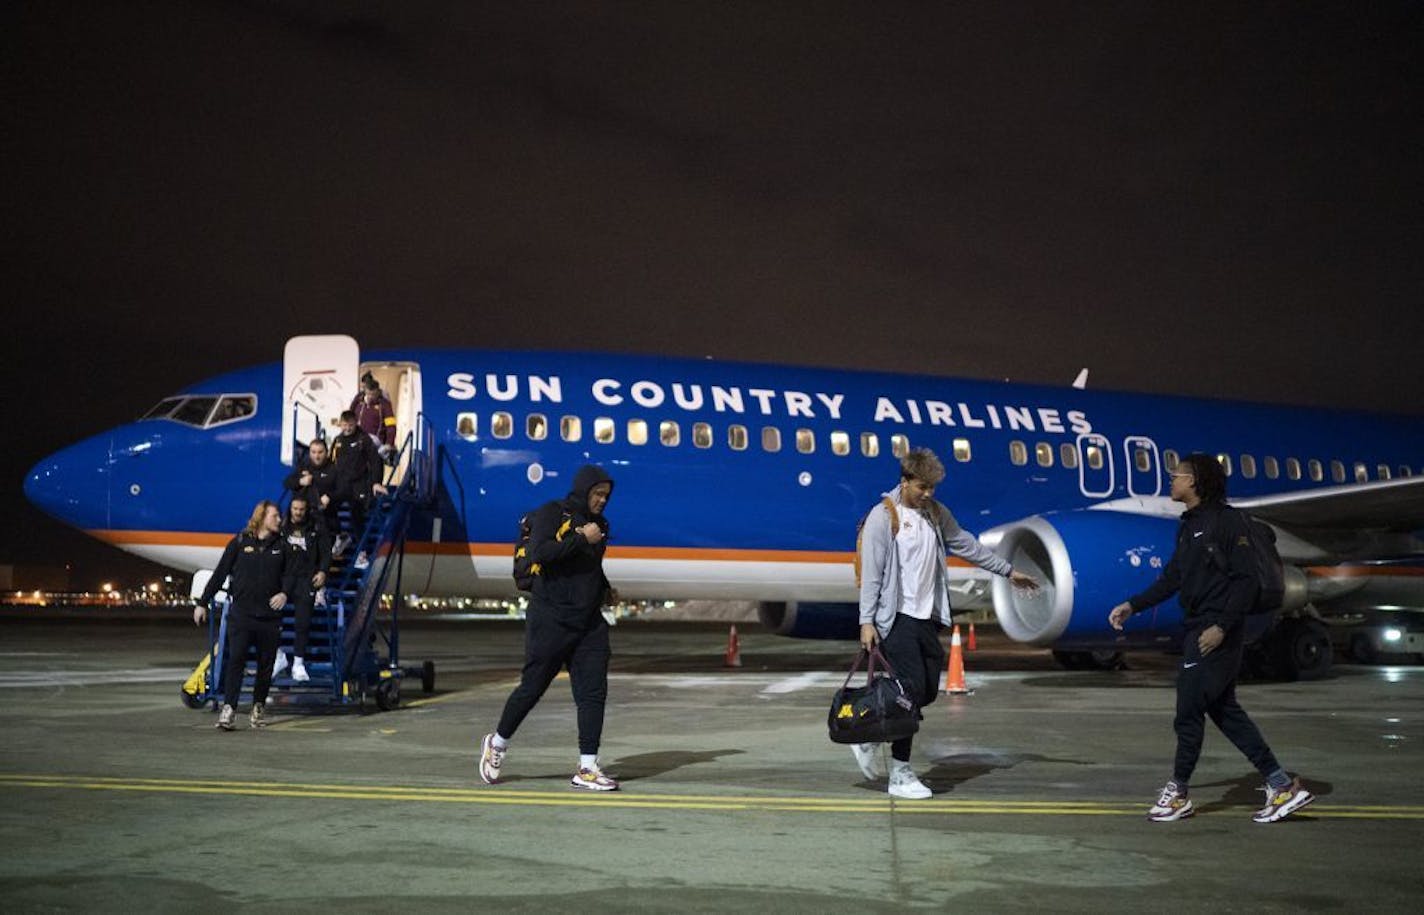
(880, 592)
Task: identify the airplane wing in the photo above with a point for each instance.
(1382, 506)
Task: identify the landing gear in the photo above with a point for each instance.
(388, 694)
(1090, 660)
(1297, 649)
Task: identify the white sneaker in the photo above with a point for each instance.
(1281, 804)
(905, 784)
(225, 718)
(339, 547)
(491, 758)
(280, 665)
(1172, 804)
(867, 756)
(299, 671)
(362, 562)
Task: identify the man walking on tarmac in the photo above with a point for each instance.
(1213, 566)
(564, 625)
(904, 596)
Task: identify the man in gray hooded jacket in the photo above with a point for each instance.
(904, 596)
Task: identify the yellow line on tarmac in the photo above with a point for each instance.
(504, 796)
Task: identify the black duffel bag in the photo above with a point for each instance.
(879, 711)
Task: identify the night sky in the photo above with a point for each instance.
(1218, 199)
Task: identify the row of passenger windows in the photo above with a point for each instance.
(670, 434)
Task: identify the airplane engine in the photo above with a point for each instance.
(1090, 561)
(811, 620)
(1087, 562)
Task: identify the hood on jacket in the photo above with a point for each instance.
(588, 476)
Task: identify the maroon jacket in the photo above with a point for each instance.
(377, 420)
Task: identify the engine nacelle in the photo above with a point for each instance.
(1090, 561)
(811, 620)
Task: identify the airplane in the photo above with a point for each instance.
(746, 482)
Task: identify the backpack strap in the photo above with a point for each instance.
(894, 514)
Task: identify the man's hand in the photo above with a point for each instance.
(380, 489)
(325, 501)
(1024, 581)
(1119, 615)
(318, 579)
(278, 601)
(1210, 638)
(591, 532)
(200, 613)
(868, 636)
(305, 479)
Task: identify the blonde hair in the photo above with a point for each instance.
(254, 524)
(921, 464)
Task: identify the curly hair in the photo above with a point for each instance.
(1209, 479)
(254, 524)
(921, 464)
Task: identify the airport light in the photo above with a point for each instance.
(153, 587)
(1393, 635)
(106, 587)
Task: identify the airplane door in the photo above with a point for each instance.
(1095, 465)
(1143, 478)
(318, 382)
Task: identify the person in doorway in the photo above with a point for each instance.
(375, 416)
(564, 625)
(1213, 570)
(904, 596)
(262, 571)
(305, 534)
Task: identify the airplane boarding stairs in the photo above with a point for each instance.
(352, 652)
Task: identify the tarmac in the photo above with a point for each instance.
(115, 797)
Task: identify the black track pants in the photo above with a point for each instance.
(914, 650)
(1206, 686)
(242, 635)
(550, 646)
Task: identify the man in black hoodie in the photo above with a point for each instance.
(564, 625)
(1213, 568)
(358, 474)
(305, 533)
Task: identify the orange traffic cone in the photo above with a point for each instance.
(973, 644)
(954, 677)
(733, 657)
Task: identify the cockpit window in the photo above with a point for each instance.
(233, 407)
(163, 408)
(194, 411)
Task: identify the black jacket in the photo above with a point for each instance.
(1212, 566)
(570, 583)
(358, 464)
(310, 545)
(323, 482)
(259, 569)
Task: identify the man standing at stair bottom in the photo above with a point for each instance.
(564, 625)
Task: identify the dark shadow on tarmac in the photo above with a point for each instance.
(949, 772)
(1246, 792)
(651, 765)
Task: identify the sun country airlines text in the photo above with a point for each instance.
(757, 401)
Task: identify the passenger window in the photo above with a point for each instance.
(1170, 460)
(899, 445)
(164, 407)
(1293, 468)
(571, 428)
(1018, 453)
(701, 435)
(467, 426)
(637, 432)
(805, 441)
(1405, 470)
(962, 451)
(231, 409)
(1337, 471)
(1225, 461)
(1362, 473)
(1095, 457)
(194, 411)
(869, 444)
(1068, 456)
(502, 425)
(770, 439)
(1317, 472)
(669, 433)
(1043, 453)
(1142, 459)
(1248, 466)
(536, 426)
(1382, 472)
(1273, 467)
(840, 444)
(737, 438)
(603, 430)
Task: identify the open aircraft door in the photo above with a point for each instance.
(319, 375)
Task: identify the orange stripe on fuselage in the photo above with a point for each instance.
(425, 548)
(1365, 571)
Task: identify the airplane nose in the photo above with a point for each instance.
(72, 485)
